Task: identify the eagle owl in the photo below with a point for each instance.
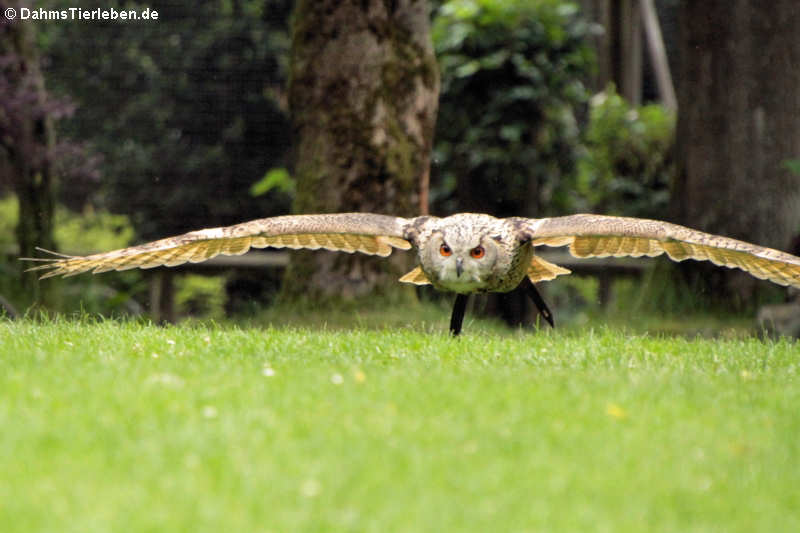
(465, 253)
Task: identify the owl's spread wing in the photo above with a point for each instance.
(603, 236)
(348, 232)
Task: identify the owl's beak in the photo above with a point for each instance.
(459, 266)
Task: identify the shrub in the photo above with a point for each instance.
(628, 165)
(512, 96)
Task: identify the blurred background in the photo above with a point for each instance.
(117, 132)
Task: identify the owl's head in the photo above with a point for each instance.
(461, 261)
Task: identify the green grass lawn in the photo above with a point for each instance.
(120, 426)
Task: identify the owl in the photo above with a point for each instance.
(465, 253)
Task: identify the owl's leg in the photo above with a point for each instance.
(457, 318)
(533, 294)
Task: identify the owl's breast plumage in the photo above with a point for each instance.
(510, 268)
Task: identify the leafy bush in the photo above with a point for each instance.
(512, 96)
(81, 233)
(628, 165)
(86, 232)
(92, 230)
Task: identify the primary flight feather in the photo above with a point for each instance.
(464, 253)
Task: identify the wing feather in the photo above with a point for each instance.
(416, 276)
(348, 232)
(604, 236)
(541, 270)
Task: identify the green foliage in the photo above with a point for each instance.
(628, 166)
(120, 426)
(512, 93)
(92, 231)
(200, 296)
(793, 165)
(275, 179)
(9, 212)
(10, 288)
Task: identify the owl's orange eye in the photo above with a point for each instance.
(477, 252)
(445, 250)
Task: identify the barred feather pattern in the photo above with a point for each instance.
(607, 236)
(347, 232)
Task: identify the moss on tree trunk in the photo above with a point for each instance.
(26, 143)
(363, 94)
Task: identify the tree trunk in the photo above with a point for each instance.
(618, 47)
(738, 123)
(26, 142)
(363, 95)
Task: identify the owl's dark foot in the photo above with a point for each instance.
(457, 318)
(533, 294)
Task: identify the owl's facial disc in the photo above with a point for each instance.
(462, 263)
